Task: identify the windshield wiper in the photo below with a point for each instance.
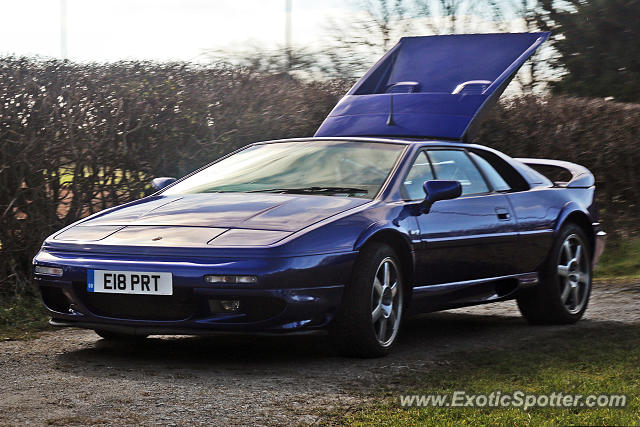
(310, 190)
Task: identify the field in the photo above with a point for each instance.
(620, 260)
(601, 359)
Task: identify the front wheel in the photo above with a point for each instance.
(368, 322)
(565, 281)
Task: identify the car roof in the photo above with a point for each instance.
(532, 177)
(403, 141)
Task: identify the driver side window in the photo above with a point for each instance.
(456, 165)
(419, 173)
(452, 165)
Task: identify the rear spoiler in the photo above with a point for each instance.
(581, 177)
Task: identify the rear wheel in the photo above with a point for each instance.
(119, 337)
(563, 293)
(368, 322)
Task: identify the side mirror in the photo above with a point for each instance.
(436, 190)
(160, 183)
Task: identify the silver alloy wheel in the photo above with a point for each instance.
(386, 302)
(573, 272)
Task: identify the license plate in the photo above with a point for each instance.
(129, 282)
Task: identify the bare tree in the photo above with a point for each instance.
(450, 16)
(298, 61)
(356, 42)
(373, 25)
(537, 72)
(358, 39)
(529, 78)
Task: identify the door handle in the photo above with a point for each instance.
(503, 214)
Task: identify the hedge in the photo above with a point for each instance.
(601, 135)
(76, 138)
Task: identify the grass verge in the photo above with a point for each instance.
(595, 360)
(22, 317)
(621, 259)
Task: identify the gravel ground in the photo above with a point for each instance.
(71, 377)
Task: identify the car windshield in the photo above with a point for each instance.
(345, 168)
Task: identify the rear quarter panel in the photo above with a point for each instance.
(540, 213)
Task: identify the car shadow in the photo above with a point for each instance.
(425, 339)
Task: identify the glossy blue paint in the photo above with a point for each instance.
(580, 176)
(302, 248)
(432, 87)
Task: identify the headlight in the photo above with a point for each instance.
(48, 271)
(235, 280)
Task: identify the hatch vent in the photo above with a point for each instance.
(473, 87)
(404, 87)
(432, 87)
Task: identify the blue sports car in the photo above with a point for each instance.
(388, 210)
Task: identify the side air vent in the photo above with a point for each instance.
(505, 287)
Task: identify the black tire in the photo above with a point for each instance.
(119, 337)
(368, 302)
(554, 300)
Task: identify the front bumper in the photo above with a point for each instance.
(194, 308)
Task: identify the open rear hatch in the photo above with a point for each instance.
(432, 87)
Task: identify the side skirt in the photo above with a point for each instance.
(470, 292)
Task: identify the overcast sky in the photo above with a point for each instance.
(107, 30)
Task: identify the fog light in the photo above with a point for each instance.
(230, 305)
(234, 280)
(224, 306)
(48, 271)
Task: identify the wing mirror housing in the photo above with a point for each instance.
(436, 190)
(161, 182)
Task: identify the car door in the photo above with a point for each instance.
(471, 237)
(535, 210)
